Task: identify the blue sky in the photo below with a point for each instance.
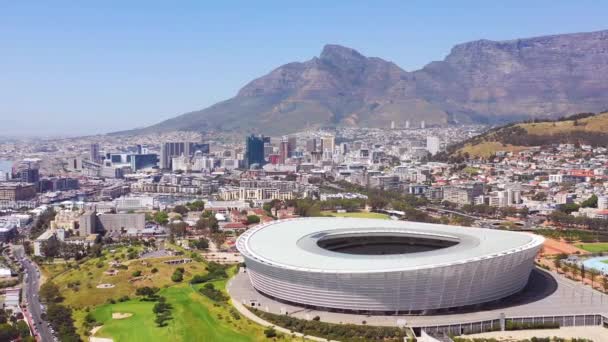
(83, 67)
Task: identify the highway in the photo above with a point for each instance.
(30, 294)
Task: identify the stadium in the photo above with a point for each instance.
(384, 266)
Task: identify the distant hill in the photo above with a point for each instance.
(481, 81)
(585, 128)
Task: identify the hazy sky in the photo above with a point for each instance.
(82, 67)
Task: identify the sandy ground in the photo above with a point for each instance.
(98, 339)
(121, 315)
(552, 247)
(597, 334)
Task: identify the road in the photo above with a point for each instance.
(30, 288)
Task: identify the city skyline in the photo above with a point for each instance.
(103, 68)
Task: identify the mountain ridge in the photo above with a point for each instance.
(479, 81)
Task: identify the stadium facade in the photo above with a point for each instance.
(384, 266)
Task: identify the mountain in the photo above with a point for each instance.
(480, 81)
(585, 128)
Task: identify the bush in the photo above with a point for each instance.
(136, 273)
(212, 293)
(178, 275)
(270, 332)
(154, 270)
(340, 332)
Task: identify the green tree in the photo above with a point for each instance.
(8, 332)
(161, 217)
(253, 219)
(180, 209)
(22, 328)
(49, 293)
(590, 202)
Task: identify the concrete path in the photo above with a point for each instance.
(250, 315)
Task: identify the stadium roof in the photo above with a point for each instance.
(292, 244)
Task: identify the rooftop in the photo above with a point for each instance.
(294, 244)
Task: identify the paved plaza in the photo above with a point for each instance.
(546, 294)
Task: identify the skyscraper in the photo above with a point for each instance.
(291, 146)
(283, 150)
(433, 144)
(328, 143)
(94, 153)
(254, 150)
(169, 150)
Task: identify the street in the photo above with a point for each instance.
(30, 288)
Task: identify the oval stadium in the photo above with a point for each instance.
(385, 266)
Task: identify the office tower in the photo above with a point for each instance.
(433, 145)
(202, 147)
(139, 149)
(392, 124)
(407, 124)
(94, 153)
(311, 145)
(423, 124)
(29, 175)
(291, 146)
(328, 143)
(143, 161)
(283, 150)
(254, 150)
(169, 150)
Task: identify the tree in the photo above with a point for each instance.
(161, 217)
(605, 283)
(590, 202)
(49, 293)
(178, 228)
(177, 276)
(180, 209)
(253, 219)
(22, 328)
(201, 224)
(51, 248)
(8, 332)
(201, 243)
(270, 332)
(197, 205)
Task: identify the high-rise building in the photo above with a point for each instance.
(143, 161)
(283, 150)
(433, 144)
(407, 124)
(328, 143)
(168, 150)
(254, 150)
(29, 175)
(311, 145)
(291, 146)
(422, 124)
(94, 153)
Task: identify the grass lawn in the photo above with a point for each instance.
(605, 261)
(355, 214)
(195, 318)
(88, 275)
(595, 247)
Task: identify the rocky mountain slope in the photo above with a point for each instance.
(480, 81)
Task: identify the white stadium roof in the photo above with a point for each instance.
(292, 244)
